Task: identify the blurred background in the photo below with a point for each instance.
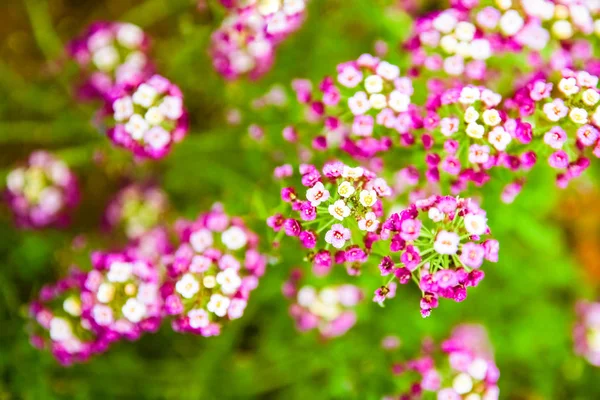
(549, 239)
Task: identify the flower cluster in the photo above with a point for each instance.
(586, 333)
(329, 309)
(137, 209)
(565, 113)
(341, 209)
(43, 192)
(246, 41)
(364, 109)
(212, 273)
(147, 118)
(58, 324)
(440, 246)
(457, 370)
(110, 53)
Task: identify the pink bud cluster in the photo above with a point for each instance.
(586, 333)
(136, 209)
(363, 110)
(337, 209)
(212, 273)
(110, 53)
(330, 309)
(147, 118)
(246, 41)
(43, 192)
(459, 369)
(440, 246)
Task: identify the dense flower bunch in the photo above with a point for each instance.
(441, 247)
(586, 333)
(137, 209)
(246, 41)
(111, 53)
(565, 114)
(329, 309)
(43, 192)
(363, 110)
(212, 273)
(121, 296)
(340, 210)
(58, 323)
(458, 370)
(153, 246)
(147, 118)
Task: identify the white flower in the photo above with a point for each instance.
(145, 95)
(491, 117)
(463, 49)
(373, 84)
(187, 286)
(317, 194)
(229, 281)
(59, 172)
(154, 116)
(445, 22)
(339, 210)
(475, 224)
(398, 101)
(352, 173)
(157, 137)
(464, 31)
(590, 97)
(106, 58)
(133, 310)
(137, 126)
(209, 281)
(387, 70)
(60, 329)
(306, 296)
(462, 384)
(291, 7)
(119, 271)
(135, 61)
(106, 292)
(568, 86)
(448, 43)
(130, 36)
(499, 138)
(201, 240)
(359, 103)
(480, 49)
(346, 189)
(478, 369)
(369, 223)
(475, 130)
(562, 29)
(51, 200)
(218, 304)
(579, 116)
(102, 315)
(198, 318)
(15, 180)
(435, 214)
(368, 197)
(471, 115)
(511, 23)
(446, 243)
(266, 7)
(72, 306)
(469, 95)
(234, 238)
(147, 293)
(123, 108)
(98, 40)
(378, 101)
(171, 107)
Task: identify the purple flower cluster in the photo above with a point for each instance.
(462, 368)
(341, 209)
(440, 245)
(211, 273)
(247, 39)
(43, 192)
(586, 333)
(329, 309)
(147, 118)
(110, 54)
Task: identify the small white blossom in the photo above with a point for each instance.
(133, 310)
(171, 107)
(339, 210)
(475, 224)
(469, 95)
(198, 318)
(201, 240)
(435, 214)
(399, 102)
(123, 108)
(475, 130)
(368, 197)
(352, 173)
(491, 117)
(218, 304)
(462, 383)
(145, 95)
(60, 329)
(72, 306)
(374, 84)
(387, 70)
(346, 189)
(130, 36)
(187, 286)
(579, 116)
(234, 238)
(369, 223)
(119, 271)
(154, 116)
(378, 101)
(229, 281)
(137, 126)
(471, 115)
(106, 58)
(106, 292)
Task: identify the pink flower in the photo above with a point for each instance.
(587, 135)
(337, 236)
(472, 254)
(363, 125)
(350, 77)
(449, 125)
(559, 160)
(479, 154)
(555, 137)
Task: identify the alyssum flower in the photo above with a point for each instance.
(440, 246)
(212, 273)
(586, 333)
(337, 210)
(43, 192)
